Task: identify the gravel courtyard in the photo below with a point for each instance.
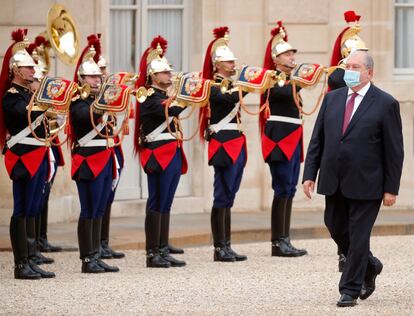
(263, 285)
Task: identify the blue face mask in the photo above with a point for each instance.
(352, 78)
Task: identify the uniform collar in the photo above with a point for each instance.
(20, 87)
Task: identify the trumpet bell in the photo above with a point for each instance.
(84, 91)
(63, 34)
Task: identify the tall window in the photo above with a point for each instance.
(134, 23)
(404, 44)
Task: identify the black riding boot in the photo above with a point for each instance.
(44, 244)
(86, 253)
(152, 241)
(171, 248)
(228, 237)
(218, 229)
(106, 251)
(34, 255)
(164, 235)
(288, 215)
(96, 245)
(33, 233)
(18, 238)
(279, 246)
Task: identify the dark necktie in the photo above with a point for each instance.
(349, 108)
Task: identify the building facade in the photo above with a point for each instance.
(127, 27)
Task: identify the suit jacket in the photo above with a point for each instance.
(367, 160)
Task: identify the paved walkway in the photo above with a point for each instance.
(262, 285)
(194, 229)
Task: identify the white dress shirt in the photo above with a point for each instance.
(358, 99)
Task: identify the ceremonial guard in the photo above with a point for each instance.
(39, 51)
(93, 163)
(160, 150)
(26, 158)
(94, 40)
(346, 42)
(227, 152)
(282, 137)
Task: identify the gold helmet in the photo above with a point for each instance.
(220, 51)
(102, 63)
(39, 50)
(348, 40)
(19, 55)
(217, 51)
(88, 67)
(156, 61)
(280, 44)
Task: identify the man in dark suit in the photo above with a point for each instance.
(357, 147)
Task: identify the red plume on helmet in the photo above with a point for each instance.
(268, 63)
(17, 36)
(208, 73)
(142, 82)
(94, 40)
(350, 17)
(208, 67)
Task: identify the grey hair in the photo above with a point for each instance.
(368, 61)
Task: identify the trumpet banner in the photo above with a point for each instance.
(255, 79)
(193, 89)
(307, 74)
(56, 92)
(113, 98)
(118, 78)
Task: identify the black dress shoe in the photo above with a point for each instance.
(341, 262)
(22, 270)
(175, 250)
(165, 254)
(45, 246)
(368, 287)
(346, 301)
(43, 274)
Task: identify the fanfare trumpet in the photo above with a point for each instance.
(126, 78)
(53, 98)
(111, 108)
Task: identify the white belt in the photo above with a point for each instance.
(16, 139)
(162, 136)
(285, 119)
(227, 127)
(31, 141)
(95, 143)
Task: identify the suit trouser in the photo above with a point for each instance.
(350, 223)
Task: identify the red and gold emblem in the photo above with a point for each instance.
(193, 84)
(55, 88)
(112, 93)
(252, 73)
